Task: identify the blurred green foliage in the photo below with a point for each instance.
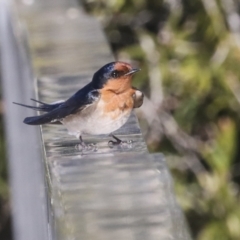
(189, 52)
(4, 193)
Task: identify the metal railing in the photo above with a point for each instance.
(113, 193)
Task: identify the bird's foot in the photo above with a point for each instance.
(119, 142)
(91, 147)
(84, 147)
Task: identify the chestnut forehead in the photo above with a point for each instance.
(120, 66)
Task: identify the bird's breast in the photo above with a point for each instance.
(114, 104)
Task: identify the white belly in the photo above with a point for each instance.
(95, 122)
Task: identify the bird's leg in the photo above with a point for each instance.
(87, 147)
(118, 142)
(82, 143)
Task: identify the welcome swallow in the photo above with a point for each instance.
(100, 107)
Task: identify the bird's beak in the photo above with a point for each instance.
(134, 70)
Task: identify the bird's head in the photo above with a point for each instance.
(114, 76)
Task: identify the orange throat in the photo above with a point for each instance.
(117, 102)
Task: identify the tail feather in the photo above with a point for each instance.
(41, 119)
(44, 107)
(32, 107)
(54, 112)
(36, 120)
(32, 120)
(49, 117)
(38, 101)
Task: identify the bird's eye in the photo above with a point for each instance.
(115, 74)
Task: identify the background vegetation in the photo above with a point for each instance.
(189, 52)
(5, 226)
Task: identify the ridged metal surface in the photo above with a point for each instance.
(116, 196)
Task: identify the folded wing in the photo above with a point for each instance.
(55, 112)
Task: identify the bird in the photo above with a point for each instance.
(100, 107)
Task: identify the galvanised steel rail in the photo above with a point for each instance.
(58, 192)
